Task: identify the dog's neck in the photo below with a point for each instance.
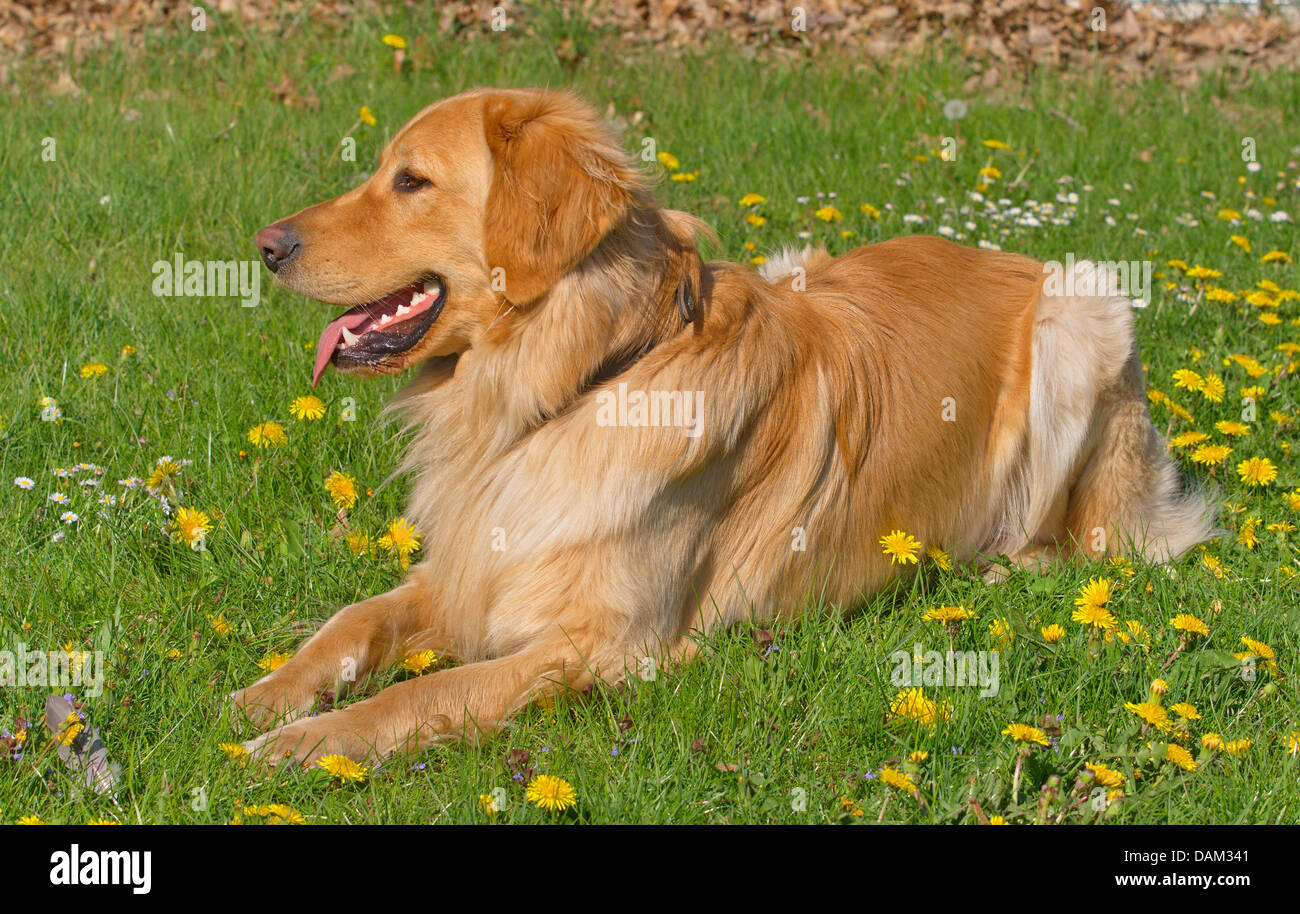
(615, 306)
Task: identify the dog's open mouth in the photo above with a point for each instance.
(367, 334)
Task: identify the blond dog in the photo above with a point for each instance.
(617, 445)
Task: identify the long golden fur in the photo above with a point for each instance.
(913, 384)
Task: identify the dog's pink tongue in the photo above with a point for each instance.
(330, 336)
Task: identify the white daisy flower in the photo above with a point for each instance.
(58, 498)
(69, 517)
(23, 482)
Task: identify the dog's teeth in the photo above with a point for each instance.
(402, 309)
(431, 288)
(415, 296)
(349, 338)
(386, 319)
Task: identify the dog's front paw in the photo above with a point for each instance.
(307, 741)
(267, 702)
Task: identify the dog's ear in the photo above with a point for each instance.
(560, 184)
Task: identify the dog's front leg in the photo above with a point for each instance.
(469, 702)
(356, 640)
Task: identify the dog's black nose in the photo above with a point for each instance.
(278, 244)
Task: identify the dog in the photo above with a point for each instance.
(617, 446)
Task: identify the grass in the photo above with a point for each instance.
(147, 166)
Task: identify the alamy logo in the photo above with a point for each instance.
(952, 668)
(25, 669)
(179, 278)
(626, 408)
(77, 867)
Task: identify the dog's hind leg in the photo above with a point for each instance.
(356, 640)
(1128, 498)
(1093, 447)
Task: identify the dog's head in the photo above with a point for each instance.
(478, 206)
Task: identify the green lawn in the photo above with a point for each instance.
(186, 148)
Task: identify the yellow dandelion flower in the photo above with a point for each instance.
(1212, 564)
(550, 793)
(309, 407)
(948, 615)
(1233, 428)
(913, 705)
(897, 779)
(234, 750)
(190, 527)
(1105, 776)
(1002, 633)
(752, 199)
(274, 660)
(1189, 624)
(359, 542)
(918, 756)
(828, 214)
(939, 557)
(402, 539)
(342, 489)
(1211, 454)
(394, 41)
(996, 144)
(1240, 241)
(1257, 471)
(669, 161)
(900, 547)
(1213, 388)
(267, 434)
(419, 662)
(366, 117)
(1186, 710)
(93, 369)
(1023, 733)
(1150, 712)
(343, 769)
(1211, 741)
(1091, 605)
(1180, 757)
(219, 624)
(70, 729)
(1276, 256)
(870, 211)
(1188, 438)
(164, 471)
(1052, 633)
(1238, 746)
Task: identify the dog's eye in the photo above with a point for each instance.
(405, 181)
